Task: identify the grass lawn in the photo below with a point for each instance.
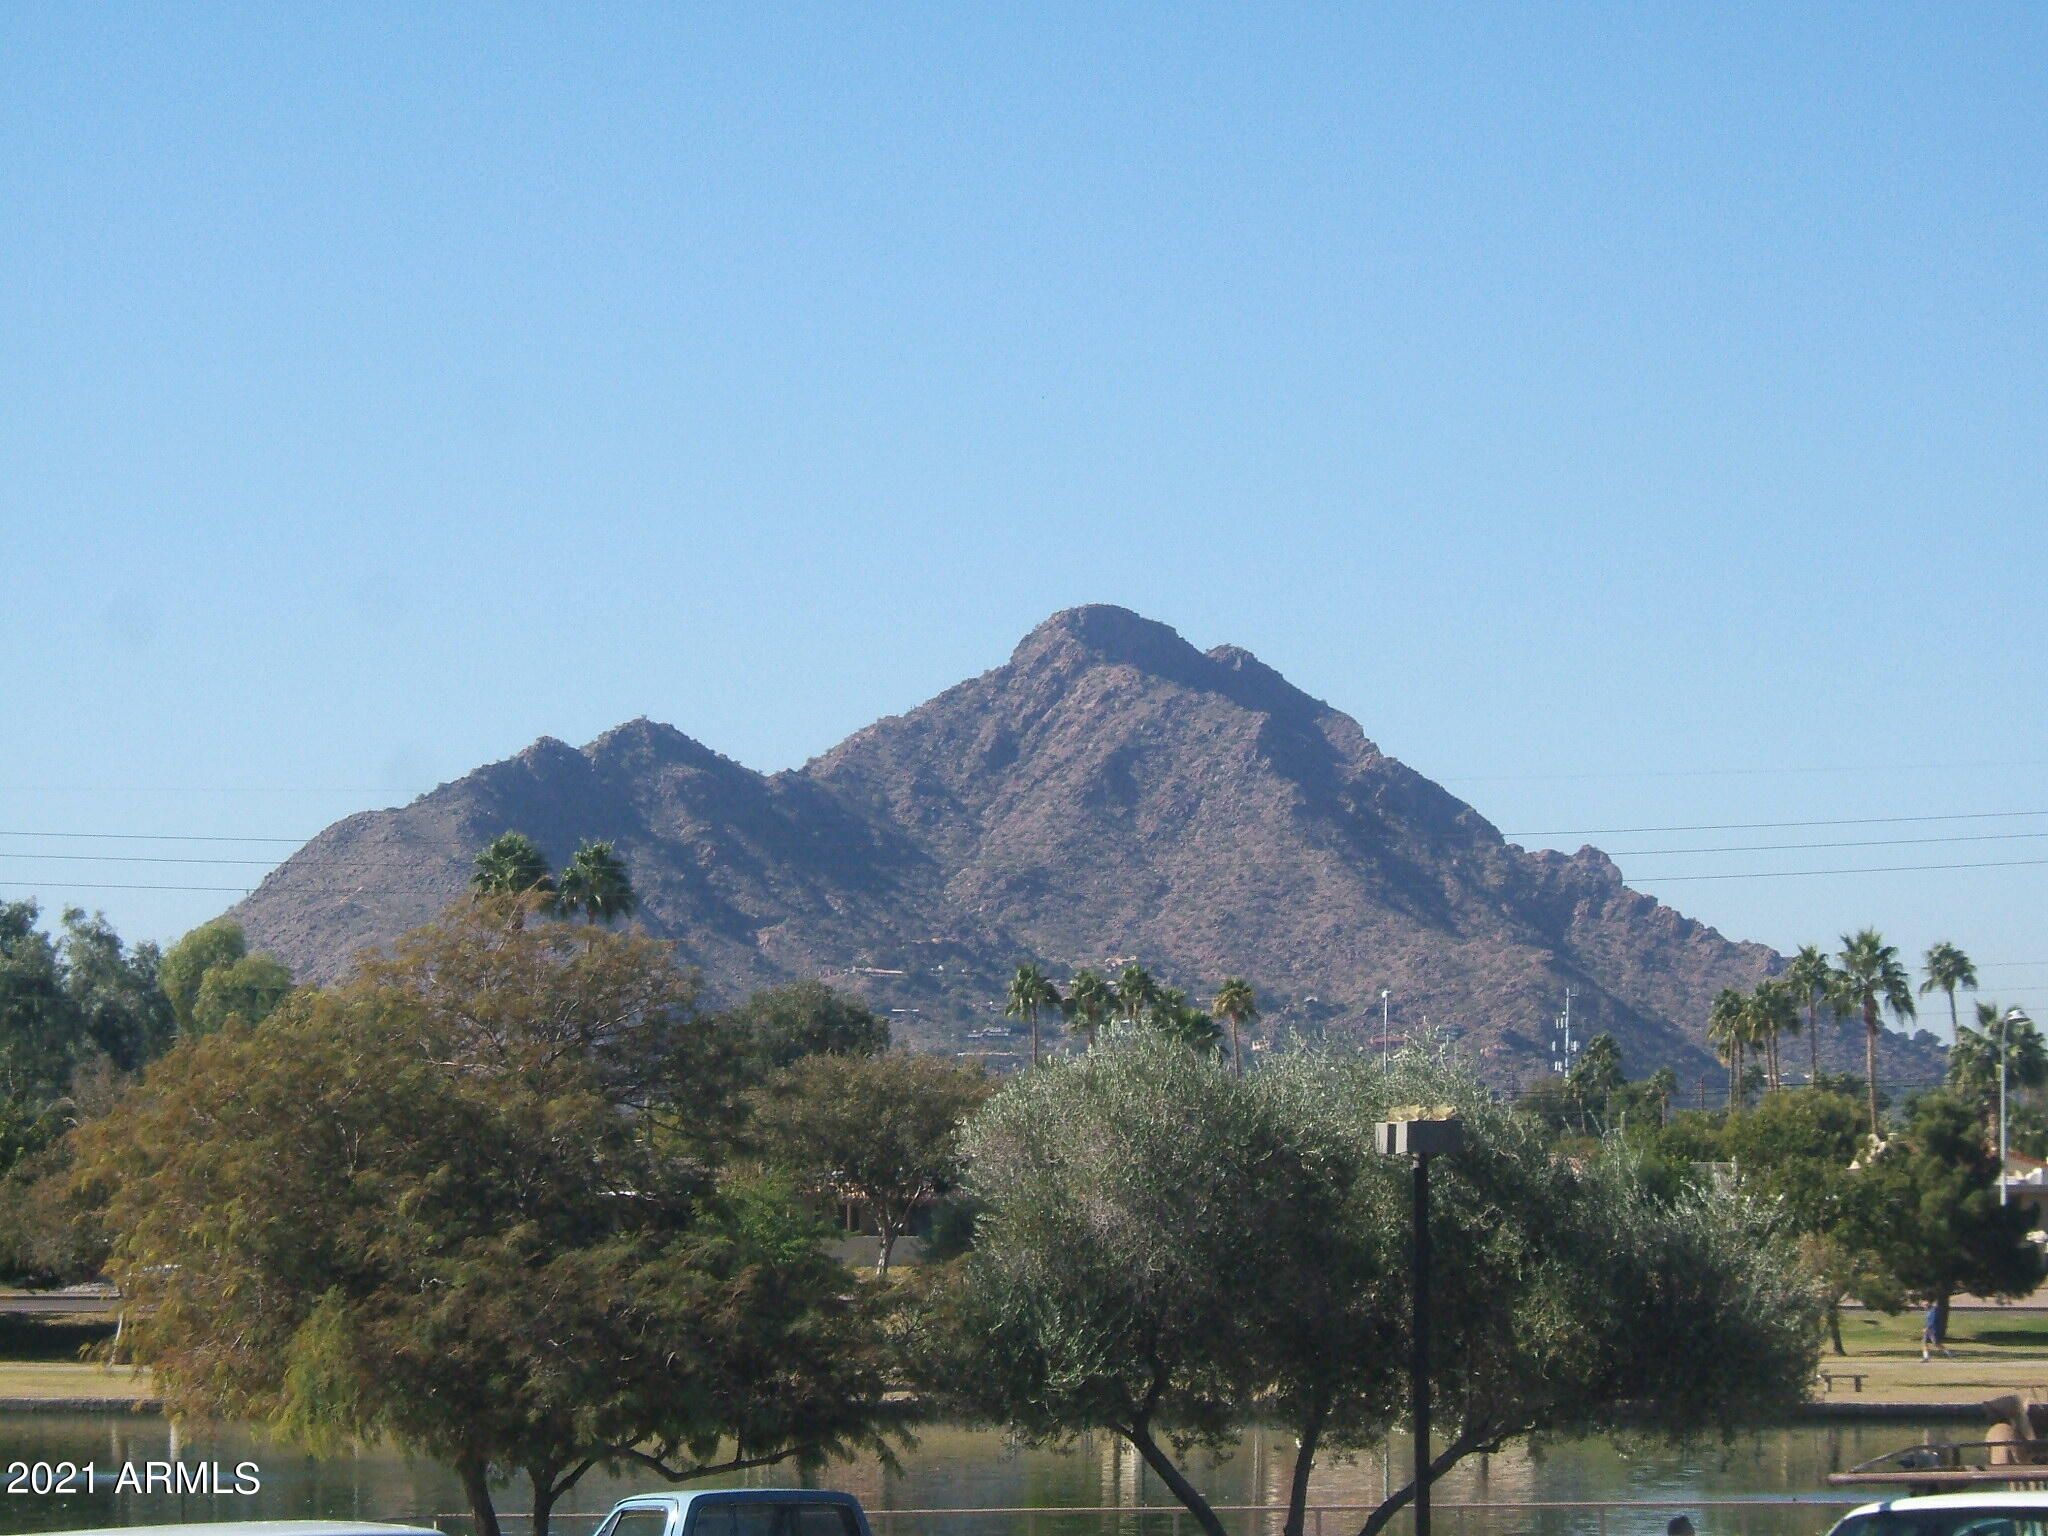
(65, 1378)
(1994, 1350)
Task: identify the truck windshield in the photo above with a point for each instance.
(761, 1518)
(1947, 1522)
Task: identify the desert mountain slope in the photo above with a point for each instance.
(1110, 791)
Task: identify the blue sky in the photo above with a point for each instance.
(1634, 416)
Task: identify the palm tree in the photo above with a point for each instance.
(1663, 1083)
(596, 884)
(1773, 1009)
(513, 867)
(1173, 1015)
(1029, 993)
(1728, 1032)
(1973, 1064)
(1135, 991)
(1235, 1004)
(1948, 968)
(1088, 1004)
(1812, 977)
(1873, 977)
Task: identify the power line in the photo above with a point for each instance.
(1761, 826)
(156, 837)
(1729, 773)
(239, 890)
(1878, 869)
(132, 858)
(1874, 842)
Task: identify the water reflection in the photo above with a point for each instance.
(956, 1469)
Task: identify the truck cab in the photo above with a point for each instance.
(738, 1512)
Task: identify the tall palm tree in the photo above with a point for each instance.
(1773, 1011)
(1811, 977)
(512, 866)
(1948, 968)
(1088, 1004)
(1873, 977)
(1237, 1006)
(1030, 993)
(1135, 992)
(1728, 1032)
(596, 884)
(1173, 1015)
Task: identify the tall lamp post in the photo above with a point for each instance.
(1426, 1134)
(2012, 1016)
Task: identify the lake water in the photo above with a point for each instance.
(957, 1469)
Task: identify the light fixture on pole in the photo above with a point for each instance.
(1424, 1134)
(2012, 1016)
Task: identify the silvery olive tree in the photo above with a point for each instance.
(1175, 1255)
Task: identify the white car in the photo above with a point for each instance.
(1951, 1514)
(261, 1528)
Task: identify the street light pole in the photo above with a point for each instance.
(1421, 1139)
(1385, 1047)
(2012, 1016)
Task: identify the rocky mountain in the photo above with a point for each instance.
(1109, 792)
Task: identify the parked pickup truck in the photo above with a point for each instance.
(738, 1512)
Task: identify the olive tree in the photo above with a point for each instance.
(1173, 1254)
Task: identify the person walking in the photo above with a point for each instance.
(1931, 1337)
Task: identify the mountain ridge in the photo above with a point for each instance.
(1110, 790)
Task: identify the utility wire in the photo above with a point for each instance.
(156, 837)
(1877, 869)
(1761, 826)
(239, 890)
(1874, 842)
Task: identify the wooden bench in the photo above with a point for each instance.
(1854, 1378)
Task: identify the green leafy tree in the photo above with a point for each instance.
(1928, 1204)
(40, 1030)
(1872, 979)
(781, 1025)
(248, 989)
(1947, 968)
(1030, 995)
(1812, 978)
(432, 1206)
(1089, 1003)
(183, 968)
(1169, 1252)
(114, 989)
(882, 1131)
(596, 884)
(210, 973)
(1237, 1005)
(1973, 1063)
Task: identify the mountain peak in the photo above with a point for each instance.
(1098, 633)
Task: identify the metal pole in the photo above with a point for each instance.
(1419, 1382)
(1385, 1046)
(2004, 1051)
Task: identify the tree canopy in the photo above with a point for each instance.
(882, 1131)
(435, 1203)
(1169, 1252)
